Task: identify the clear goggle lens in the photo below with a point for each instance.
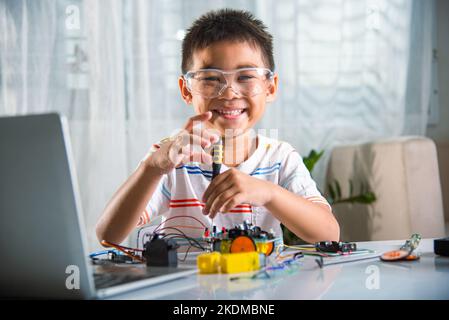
(211, 83)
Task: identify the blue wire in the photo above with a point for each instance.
(99, 253)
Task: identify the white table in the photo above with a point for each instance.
(427, 278)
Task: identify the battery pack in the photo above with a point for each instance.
(441, 247)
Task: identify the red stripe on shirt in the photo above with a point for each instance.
(185, 200)
(187, 205)
(182, 203)
(147, 215)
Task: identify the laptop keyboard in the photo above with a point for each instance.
(110, 275)
(106, 280)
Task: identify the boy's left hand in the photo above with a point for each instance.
(232, 188)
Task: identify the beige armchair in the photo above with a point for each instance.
(403, 173)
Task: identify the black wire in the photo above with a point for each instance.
(179, 230)
(198, 244)
(185, 256)
(185, 236)
(191, 243)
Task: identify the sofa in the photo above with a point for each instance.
(404, 175)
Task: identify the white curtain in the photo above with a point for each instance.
(350, 71)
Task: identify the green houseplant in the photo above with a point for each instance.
(364, 195)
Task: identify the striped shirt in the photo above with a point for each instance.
(179, 193)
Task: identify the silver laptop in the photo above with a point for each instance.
(42, 233)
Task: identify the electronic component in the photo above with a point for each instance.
(412, 243)
(394, 255)
(242, 244)
(120, 258)
(114, 256)
(441, 247)
(217, 158)
(333, 246)
(160, 252)
(132, 253)
(405, 251)
(324, 261)
(242, 238)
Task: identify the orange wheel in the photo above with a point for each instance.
(270, 248)
(242, 244)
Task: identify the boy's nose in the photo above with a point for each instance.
(229, 93)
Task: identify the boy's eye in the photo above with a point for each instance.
(245, 77)
(211, 78)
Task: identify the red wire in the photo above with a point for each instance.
(122, 249)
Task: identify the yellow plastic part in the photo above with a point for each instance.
(215, 262)
(239, 262)
(264, 247)
(225, 246)
(209, 262)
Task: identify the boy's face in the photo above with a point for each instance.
(228, 56)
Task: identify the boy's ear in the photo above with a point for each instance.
(272, 91)
(185, 93)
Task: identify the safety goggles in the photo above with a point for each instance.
(211, 83)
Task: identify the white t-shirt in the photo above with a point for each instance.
(179, 193)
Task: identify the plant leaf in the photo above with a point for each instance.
(331, 191)
(337, 187)
(312, 159)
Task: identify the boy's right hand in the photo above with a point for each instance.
(187, 146)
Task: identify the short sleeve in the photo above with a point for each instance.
(295, 177)
(159, 202)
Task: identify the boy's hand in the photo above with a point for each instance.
(186, 146)
(232, 188)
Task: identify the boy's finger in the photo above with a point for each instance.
(194, 140)
(220, 201)
(210, 135)
(230, 203)
(198, 118)
(216, 191)
(192, 154)
(216, 182)
(197, 140)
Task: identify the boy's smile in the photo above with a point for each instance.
(230, 110)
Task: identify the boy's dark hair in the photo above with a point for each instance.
(227, 24)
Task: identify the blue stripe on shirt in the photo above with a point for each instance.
(165, 192)
(266, 170)
(277, 164)
(208, 174)
(196, 170)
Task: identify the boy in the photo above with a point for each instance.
(227, 65)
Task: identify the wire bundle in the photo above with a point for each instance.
(130, 252)
(175, 232)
